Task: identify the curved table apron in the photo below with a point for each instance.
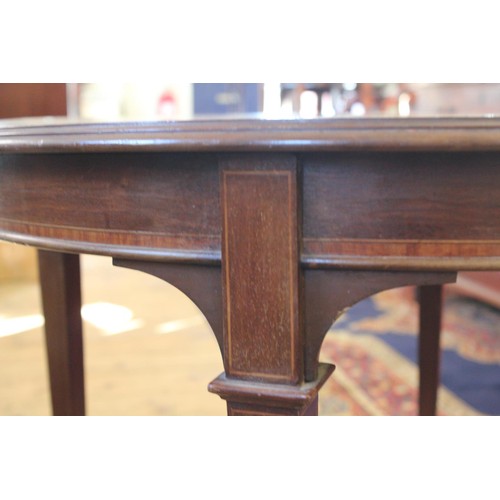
(272, 228)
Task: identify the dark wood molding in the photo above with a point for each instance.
(246, 397)
(339, 134)
(381, 263)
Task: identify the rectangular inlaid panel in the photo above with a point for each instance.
(260, 266)
(406, 204)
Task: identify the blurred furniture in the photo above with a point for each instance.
(32, 99)
(227, 98)
(482, 286)
(293, 92)
(272, 228)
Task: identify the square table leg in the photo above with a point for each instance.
(61, 299)
(430, 300)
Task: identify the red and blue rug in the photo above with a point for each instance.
(374, 347)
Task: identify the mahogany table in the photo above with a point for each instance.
(272, 228)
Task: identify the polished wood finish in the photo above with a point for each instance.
(152, 206)
(61, 300)
(429, 224)
(272, 227)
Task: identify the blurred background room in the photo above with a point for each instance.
(153, 353)
(185, 101)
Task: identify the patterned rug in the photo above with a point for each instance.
(374, 346)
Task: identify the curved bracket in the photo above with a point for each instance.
(329, 292)
(202, 284)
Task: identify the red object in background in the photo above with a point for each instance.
(167, 105)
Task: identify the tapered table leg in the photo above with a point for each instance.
(430, 299)
(61, 299)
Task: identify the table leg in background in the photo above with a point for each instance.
(61, 299)
(430, 300)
